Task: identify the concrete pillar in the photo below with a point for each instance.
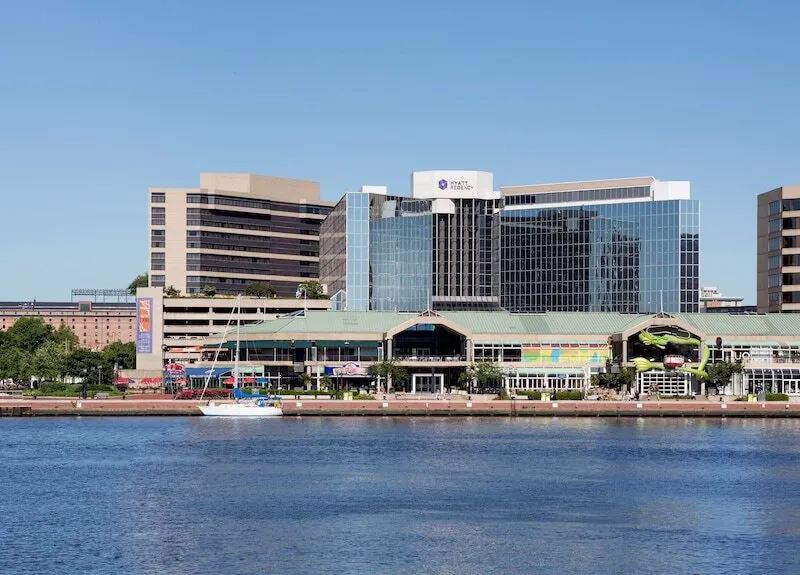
(441, 384)
(468, 350)
(413, 385)
(624, 351)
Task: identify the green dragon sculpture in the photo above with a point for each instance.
(643, 364)
(661, 341)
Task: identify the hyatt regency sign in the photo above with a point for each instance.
(456, 185)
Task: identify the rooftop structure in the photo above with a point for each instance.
(711, 297)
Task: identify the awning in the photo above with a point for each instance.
(347, 343)
(300, 344)
(206, 371)
(734, 343)
(266, 344)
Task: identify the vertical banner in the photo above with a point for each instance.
(144, 325)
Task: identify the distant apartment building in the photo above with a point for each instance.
(95, 324)
(778, 250)
(233, 230)
(712, 299)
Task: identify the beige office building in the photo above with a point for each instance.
(233, 230)
(778, 257)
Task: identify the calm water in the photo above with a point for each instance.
(363, 495)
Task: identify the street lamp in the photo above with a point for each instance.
(163, 367)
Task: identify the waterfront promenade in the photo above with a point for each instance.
(166, 406)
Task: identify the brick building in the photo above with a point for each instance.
(95, 324)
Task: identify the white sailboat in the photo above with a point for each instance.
(245, 404)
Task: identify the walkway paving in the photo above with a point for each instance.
(304, 407)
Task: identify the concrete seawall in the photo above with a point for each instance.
(525, 408)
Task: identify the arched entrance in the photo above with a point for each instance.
(668, 356)
(433, 351)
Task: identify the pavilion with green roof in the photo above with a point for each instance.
(554, 350)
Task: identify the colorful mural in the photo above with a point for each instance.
(567, 355)
(144, 325)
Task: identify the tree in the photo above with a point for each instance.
(259, 290)
(120, 355)
(720, 373)
(481, 372)
(81, 361)
(388, 368)
(209, 290)
(28, 333)
(48, 361)
(306, 379)
(312, 290)
(609, 380)
(64, 337)
(171, 291)
(325, 382)
(142, 280)
(15, 364)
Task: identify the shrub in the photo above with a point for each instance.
(777, 397)
(363, 396)
(56, 389)
(53, 389)
(214, 393)
(288, 392)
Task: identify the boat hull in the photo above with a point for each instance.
(240, 410)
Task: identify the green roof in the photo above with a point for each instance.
(336, 325)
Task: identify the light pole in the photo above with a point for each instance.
(163, 367)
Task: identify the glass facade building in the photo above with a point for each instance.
(628, 246)
(394, 253)
(380, 253)
(635, 257)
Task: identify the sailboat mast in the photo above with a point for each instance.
(236, 354)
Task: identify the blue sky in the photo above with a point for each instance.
(101, 99)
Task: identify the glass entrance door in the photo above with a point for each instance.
(427, 383)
